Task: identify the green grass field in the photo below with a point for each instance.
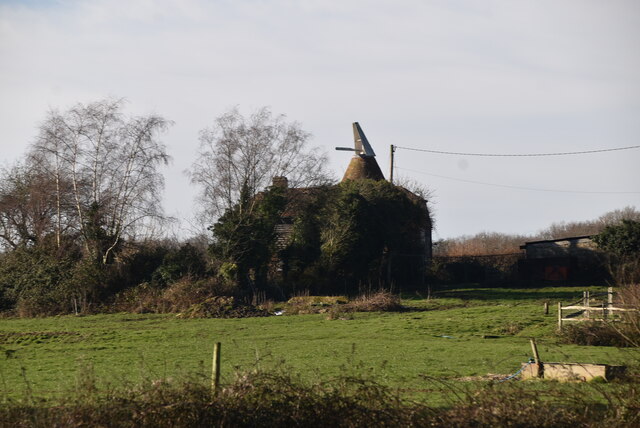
(439, 338)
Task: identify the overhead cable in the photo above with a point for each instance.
(583, 152)
(521, 188)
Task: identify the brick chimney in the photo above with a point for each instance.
(280, 181)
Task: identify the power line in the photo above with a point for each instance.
(517, 187)
(583, 152)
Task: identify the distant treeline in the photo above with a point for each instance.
(495, 243)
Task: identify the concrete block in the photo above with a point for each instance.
(576, 372)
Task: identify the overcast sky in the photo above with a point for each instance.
(465, 76)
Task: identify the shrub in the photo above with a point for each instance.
(140, 262)
(313, 304)
(622, 241)
(186, 261)
(339, 306)
(183, 293)
(339, 313)
(222, 307)
(142, 298)
(178, 297)
(593, 334)
(35, 281)
(278, 398)
(630, 298)
(381, 301)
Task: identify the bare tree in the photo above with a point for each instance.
(422, 191)
(615, 217)
(27, 206)
(242, 154)
(563, 229)
(486, 243)
(483, 243)
(111, 162)
(589, 227)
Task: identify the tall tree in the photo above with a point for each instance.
(241, 153)
(622, 239)
(111, 162)
(245, 238)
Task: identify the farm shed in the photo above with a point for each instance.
(571, 259)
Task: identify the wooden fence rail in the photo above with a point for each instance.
(589, 308)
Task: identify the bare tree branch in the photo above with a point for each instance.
(247, 152)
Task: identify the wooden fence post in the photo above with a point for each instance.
(215, 368)
(536, 358)
(609, 299)
(560, 316)
(587, 303)
(546, 308)
(534, 349)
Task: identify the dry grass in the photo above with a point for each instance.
(511, 328)
(178, 297)
(594, 334)
(381, 301)
(222, 307)
(306, 304)
(339, 306)
(630, 328)
(277, 398)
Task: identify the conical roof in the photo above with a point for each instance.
(361, 168)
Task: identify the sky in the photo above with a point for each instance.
(507, 77)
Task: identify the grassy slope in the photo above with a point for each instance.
(398, 348)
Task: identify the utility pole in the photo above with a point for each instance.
(392, 151)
